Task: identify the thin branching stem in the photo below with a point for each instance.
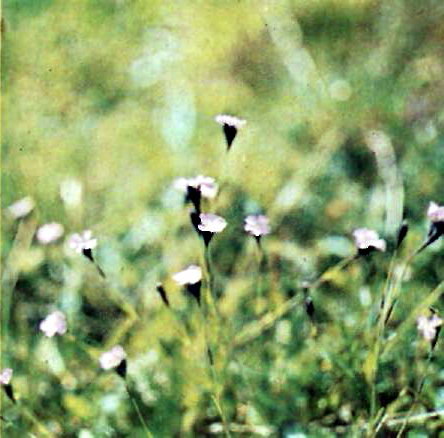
(137, 409)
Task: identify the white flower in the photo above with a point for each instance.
(211, 223)
(190, 275)
(49, 233)
(112, 358)
(368, 239)
(205, 184)
(257, 225)
(224, 119)
(435, 212)
(21, 208)
(54, 323)
(81, 241)
(427, 326)
(5, 376)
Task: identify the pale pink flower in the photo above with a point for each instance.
(54, 323)
(366, 239)
(427, 326)
(21, 208)
(49, 233)
(257, 225)
(80, 242)
(211, 223)
(435, 212)
(224, 119)
(112, 358)
(6, 376)
(205, 184)
(191, 275)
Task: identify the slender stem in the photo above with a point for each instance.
(260, 274)
(139, 414)
(418, 393)
(216, 402)
(210, 300)
(338, 267)
(431, 298)
(30, 415)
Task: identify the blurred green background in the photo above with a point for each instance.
(344, 107)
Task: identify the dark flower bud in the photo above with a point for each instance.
(309, 307)
(161, 290)
(230, 125)
(402, 233)
(121, 369)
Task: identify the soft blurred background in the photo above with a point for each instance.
(106, 103)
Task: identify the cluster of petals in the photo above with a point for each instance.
(211, 223)
(112, 358)
(80, 242)
(50, 233)
(257, 225)
(224, 119)
(54, 324)
(368, 239)
(428, 326)
(191, 275)
(5, 376)
(435, 212)
(205, 184)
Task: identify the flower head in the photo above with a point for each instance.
(21, 208)
(224, 119)
(191, 275)
(49, 233)
(6, 376)
(257, 226)
(80, 242)
(435, 212)
(211, 223)
(428, 326)
(367, 240)
(205, 184)
(191, 278)
(54, 323)
(112, 358)
(230, 125)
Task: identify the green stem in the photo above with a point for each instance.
(139, 414)
(30, 415)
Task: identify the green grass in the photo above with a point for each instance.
(120, 96)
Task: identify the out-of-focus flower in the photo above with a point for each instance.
(436, 215)
(230, 125)
(211, 223)
(114, 358)
(71, 192)
(428, 326)
(191, 278)
(257, 225)
(435, 212)
(6, 376)
(205, 184)
(5, 382)
(208, 225)
(191, 275)
(54, 323)
(80, 242)
(49, 233)
(21, 208)
(368, 240)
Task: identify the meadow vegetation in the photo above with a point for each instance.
(313, 327)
